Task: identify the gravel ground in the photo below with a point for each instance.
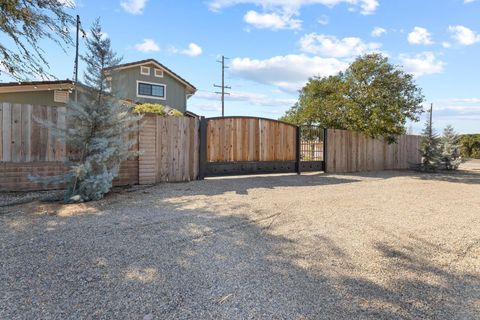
(390, 245)
(12, 198)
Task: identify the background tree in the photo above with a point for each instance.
(25, 24)
(470, 146)
(450, 149)
(97, 127)
(372, 96)
(430, 147)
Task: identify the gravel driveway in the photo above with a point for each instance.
(391, 245)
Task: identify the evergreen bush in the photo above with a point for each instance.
(98, 126)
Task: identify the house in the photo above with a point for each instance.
(145, 81)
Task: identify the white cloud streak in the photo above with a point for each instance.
(378, 32)
(193, 50)
(288, 73)
(133, 6)
(148, 45)
(463, 35)
(420, 36)
(250, 98)
(330, 46)
(422, 64)
(366, 7)
(273, 21)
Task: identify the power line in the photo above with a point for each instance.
(223, 86)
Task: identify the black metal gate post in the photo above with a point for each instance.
(202, 146)
(325, 138)
(298, 151)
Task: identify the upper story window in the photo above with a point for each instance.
(151, 90)
(145, 70)
(159, 73)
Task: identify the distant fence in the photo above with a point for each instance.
(349, 151)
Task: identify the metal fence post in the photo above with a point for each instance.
(202, 158)
(325, 148)
(298, 151)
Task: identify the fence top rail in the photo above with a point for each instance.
(253, 118)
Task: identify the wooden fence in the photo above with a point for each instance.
(182, 149)
(349, 151)
(28, 148)
(249, 139)
(169, 147)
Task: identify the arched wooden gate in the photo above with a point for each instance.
(249, 145)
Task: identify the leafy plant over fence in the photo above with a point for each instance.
(156, 109)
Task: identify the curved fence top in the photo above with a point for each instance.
(252, 118)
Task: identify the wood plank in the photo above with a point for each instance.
(16, 133)
(26, 132)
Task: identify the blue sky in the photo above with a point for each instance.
(275, 45)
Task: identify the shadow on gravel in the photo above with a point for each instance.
(241, 184)
(461, 176)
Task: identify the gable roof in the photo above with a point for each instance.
(189, 86)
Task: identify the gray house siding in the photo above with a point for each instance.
(37, 97)
(124, 81)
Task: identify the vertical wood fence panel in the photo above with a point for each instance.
(169, 149)
(249, 139)
(349, 151)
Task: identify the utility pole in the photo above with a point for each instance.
(223, 87)
(75, 71)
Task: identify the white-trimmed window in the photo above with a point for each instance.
(145, 71)
(151, 90)
(159, 73)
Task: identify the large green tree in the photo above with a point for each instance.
(372, 96)
(23, 24)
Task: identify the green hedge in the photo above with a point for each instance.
(470, 146)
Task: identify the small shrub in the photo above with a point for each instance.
(150, 108)
(156, 109)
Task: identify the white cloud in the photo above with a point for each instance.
(324, 20)
(446, 44)
(422, 64)
(366, 6)
(378, 32)
(330, 46)
(420, 36)
(461, 100)
(148, 45)
(464, 35)
(288, 73)
(133, 6)
(251, 98)
(469, 1)
(193, 50)
(272, 21)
